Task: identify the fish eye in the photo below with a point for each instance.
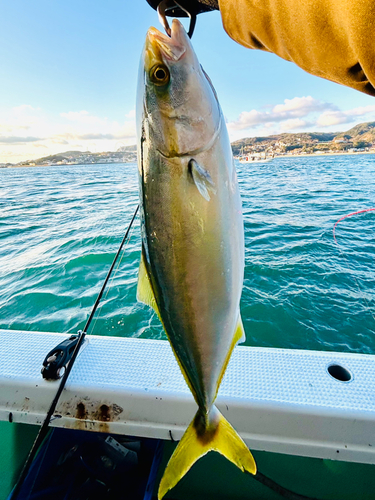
(159, 74)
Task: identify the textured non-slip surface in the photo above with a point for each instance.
(280, 400)
(257, 374)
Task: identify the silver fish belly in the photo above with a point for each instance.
(192, 234)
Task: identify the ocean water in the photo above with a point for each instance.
(60, 228)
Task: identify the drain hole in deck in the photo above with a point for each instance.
(339, 373)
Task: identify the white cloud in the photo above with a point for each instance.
(24, 109)
(131, 114)
(329, 118)
(18, 140)
(296, 114)
(297, 107)
(25, 129)
(361, 111)
(294, 124)
(249, 119)
(83, 117)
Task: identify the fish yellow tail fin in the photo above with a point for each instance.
(206, 433)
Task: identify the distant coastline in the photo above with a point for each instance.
(344, 153)
(358, 140)
(306, 155)
(44, 165)
(124, 154)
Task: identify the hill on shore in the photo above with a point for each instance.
(359, 138)
(123, 154)
(362, 132)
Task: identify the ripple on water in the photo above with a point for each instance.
(61, 226)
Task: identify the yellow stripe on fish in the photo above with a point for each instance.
(192, 262)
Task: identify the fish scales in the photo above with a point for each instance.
(192, 234)
(192, 268)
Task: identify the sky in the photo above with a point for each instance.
(68, 78)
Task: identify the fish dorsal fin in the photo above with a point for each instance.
(145, 293)
(202, 179)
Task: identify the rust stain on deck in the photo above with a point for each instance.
(103, 414)
(90, 414)
(81, 411)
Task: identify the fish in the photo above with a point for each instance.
(192, 259)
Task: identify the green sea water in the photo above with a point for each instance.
(60, 228)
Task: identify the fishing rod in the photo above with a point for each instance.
(64, 356)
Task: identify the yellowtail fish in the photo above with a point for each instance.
(192, 262)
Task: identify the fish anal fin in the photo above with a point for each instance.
(218, 435)
(202, 179)
(145, 292)
(146, 295)
(238, 337)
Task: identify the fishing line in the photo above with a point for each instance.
(345, 257)
(349, 215)
(165, 6)
(112, 279)
(43, 431)
(283, 492)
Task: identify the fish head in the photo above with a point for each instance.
(179, 101)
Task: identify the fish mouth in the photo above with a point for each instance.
(163, 48)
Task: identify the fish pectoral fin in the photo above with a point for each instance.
(202, 179)
(206, 433)
(145, 292)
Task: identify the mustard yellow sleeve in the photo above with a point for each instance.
(333, 39)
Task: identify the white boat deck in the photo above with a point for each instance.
(279, 400)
